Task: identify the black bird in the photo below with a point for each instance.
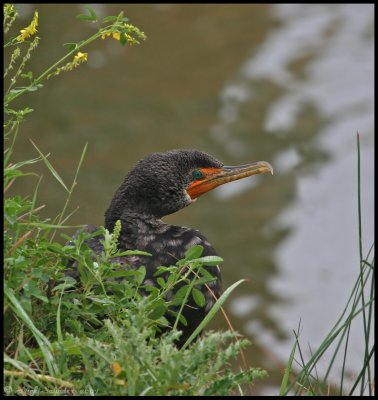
(161, 184)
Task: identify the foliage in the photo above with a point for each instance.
(103, 336)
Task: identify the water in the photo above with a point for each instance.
(289, 84)
(318, 261)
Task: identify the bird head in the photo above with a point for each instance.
(163, 183)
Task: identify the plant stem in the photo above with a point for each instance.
(54, 66)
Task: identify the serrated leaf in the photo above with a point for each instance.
(198, 297)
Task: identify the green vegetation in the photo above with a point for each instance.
(104, 337)
(310, 378)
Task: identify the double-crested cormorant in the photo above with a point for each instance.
(161, 184)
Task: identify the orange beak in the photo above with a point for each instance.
(213, 177)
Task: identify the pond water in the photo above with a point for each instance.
(289, 84)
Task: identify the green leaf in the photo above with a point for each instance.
(141, 273)
(124, 273)
(55, 248)
(91, 17)
(158, 310)
(198, 297)
(33, 290)
(84, 17)
(109, 18)
(22, 163)
(43, 225)
(68, 283)
(152, 290)
(92, 12)
(28, 75)
(181, 318)
(70, 46)
(160, 281)
(103, 301)
(194, 252)
(31, 88)
(180, 295)
(132, 253)
(162, 270)
(123, 39)
(172, 279)
(208, 260)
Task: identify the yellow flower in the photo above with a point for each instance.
(78, 59)
(81, 57)
(29, 30)
(116, 367)
(116, 35)
(129, 32)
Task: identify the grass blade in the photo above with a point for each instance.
(285, 378)
(50, 167)
(212, 312)
(58, 318)
(43, 342)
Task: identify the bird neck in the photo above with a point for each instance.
(137, 228)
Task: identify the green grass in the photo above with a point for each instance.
(312, 379)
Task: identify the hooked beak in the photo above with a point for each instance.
(213, 177)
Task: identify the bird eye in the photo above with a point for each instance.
(197, 174)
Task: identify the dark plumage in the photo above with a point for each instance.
(158, 185)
